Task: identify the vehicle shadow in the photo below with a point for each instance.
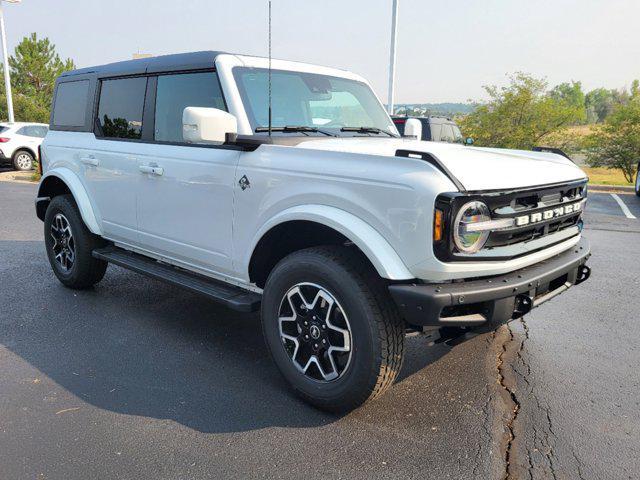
(136, 346)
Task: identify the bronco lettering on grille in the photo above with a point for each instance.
(548, 214)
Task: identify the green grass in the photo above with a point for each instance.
(605, 176)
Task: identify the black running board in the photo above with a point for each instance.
(229, 295)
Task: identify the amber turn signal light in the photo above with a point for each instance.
(438, 225)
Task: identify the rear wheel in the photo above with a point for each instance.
(22, 160)
(69, 244)
(332, 328)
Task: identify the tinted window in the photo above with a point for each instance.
(70, 105)
(399, 123)
(120, 107)
(3, 129)
(37, 131)
(175, 93)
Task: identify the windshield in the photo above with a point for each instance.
(317, 103)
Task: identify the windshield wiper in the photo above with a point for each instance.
(366, 130)
(295, 129)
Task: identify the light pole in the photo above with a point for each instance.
(5, 59)
(392, 55)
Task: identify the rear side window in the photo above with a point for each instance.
(175, 93)
(120, 108)
(70, 104)
(37, 131)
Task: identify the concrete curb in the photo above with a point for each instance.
(16, 177)
(611, 188)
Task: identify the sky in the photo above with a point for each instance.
(446, 50)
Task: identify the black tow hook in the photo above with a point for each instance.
(584, 273)
(522, 305)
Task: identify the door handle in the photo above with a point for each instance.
(151, 169)
(90, 160)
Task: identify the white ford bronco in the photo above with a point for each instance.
(288, 190)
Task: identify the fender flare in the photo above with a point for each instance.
(380, 253)
(72, 181)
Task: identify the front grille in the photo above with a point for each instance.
(524, 204)
(542, 211)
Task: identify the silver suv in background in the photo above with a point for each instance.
(19, 143)
(433, 129)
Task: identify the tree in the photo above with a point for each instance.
(519, 115)
(616, 143)
(34, 67)
(572, 94)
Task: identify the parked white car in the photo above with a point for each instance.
(19, 142)
(314, 211)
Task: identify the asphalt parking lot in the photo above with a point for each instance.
(136, 379)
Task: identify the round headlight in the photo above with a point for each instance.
(465, 239)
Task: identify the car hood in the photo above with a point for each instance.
(475, 168)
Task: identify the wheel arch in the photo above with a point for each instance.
(60, 182)
(29, 150)
(320, 225)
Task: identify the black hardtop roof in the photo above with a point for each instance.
(162, 63)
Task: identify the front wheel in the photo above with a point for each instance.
(332, 328)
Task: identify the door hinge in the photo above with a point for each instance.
(244, 182)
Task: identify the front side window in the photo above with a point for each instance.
(120, 108)
(331, 104)
(175, 93)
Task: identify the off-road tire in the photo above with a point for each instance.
(85, 270)
(19, 159)
(377, 331)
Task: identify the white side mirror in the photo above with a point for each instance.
(207, 125)
(413, 128)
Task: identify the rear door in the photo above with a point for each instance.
(110, 165)
(185, 200)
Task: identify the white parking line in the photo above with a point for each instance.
(625, 209)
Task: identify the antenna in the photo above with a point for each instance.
(269, 67)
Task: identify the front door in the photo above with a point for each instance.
(185, 194)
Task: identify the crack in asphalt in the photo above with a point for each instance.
(514, 405)
(528, 434)
(512, 367)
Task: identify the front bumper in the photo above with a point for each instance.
(492, 300)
